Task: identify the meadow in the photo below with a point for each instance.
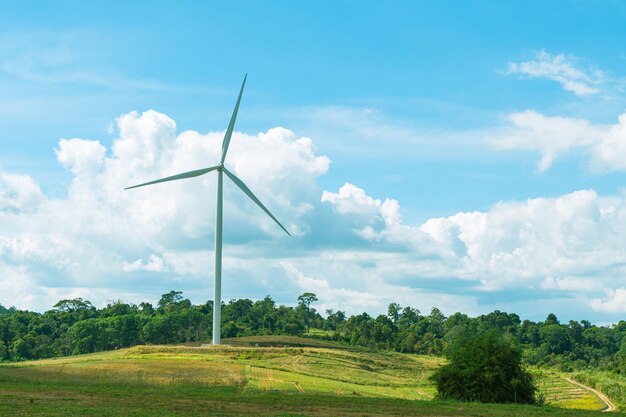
(273, 376)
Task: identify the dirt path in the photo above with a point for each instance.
(609, 405)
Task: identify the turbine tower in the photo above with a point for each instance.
(221, 169)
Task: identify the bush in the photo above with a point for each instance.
(484, 367)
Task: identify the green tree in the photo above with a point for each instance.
(484, 367)
(117, 308)
(409, 316)
(383, 330)
(75, 304)
(551, 319)
(393, 311)
(555, 338)
(23, 347)
(304, 302)
(4, 352)
(306, 299)
(334, 319)
(4, 310)
(172, 297)
(264, 312)
(86, 336)
(160, 329)
(75, 310)
(146, 308)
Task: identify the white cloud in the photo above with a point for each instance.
(336, 298)
(144, 139)
(549, 135)
(353, 200)
(369, 213)
(614, 302)
(609, 153)
(19, 192)
(520, 244)
(553, 136)
(81, 157)
(154, 264)
(569, 283)
(571, 243)
(561, 69)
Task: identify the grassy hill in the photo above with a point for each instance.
(278, 376)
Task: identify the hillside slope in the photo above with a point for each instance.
(326, 380)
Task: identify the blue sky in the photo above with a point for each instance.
(464, 155)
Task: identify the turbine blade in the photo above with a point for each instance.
(231, 125)
(250, 194)
(189, 174)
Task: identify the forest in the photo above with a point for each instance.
(75, 326)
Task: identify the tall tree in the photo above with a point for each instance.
(305, 300)
(168, 298)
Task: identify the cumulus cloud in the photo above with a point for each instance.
(570, 243)
(561, 69)
(605, 145)
(353, 200)
(609, 153)
(521, 243)
(81, 157)
(19, 192)
(614, 302)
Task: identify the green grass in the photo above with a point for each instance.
(610, 384)
(561, 393)
(303, 377)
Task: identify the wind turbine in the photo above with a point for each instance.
(221, 169)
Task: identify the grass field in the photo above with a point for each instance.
(303, 377)
(561, 393)
(606, 382)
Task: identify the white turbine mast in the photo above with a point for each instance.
(220, 168)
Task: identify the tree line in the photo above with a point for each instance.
(75, 326)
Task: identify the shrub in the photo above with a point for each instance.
(484, 367)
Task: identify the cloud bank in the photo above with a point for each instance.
(355, 250)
